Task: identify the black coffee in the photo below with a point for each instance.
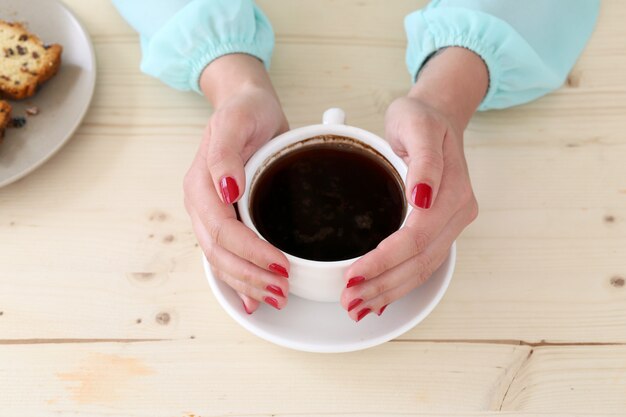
(327, 202)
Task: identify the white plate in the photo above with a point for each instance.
(63, 100)
(325, 327)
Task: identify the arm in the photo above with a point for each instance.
(528, 46)
(426, 129)
(465, 55)
(220, 48)
(247, 114)
(179, 38)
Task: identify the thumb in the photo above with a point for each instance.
(225, 162)
(425, 156)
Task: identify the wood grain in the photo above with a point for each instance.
(213, 379)
(104, 308)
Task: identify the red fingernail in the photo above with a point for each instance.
(354, 303)
(422, 195)
(355, 281)
(279, 269)
(275, 290)
(382, 309)
(230, 190)
(363, 313)
(272, 301)
(245, 307)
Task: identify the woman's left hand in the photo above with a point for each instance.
(437, 186)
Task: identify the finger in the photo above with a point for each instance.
(250, 305)
(268, 284)
(224, 160)
(242, 288)
(425, 156)
(421, 228)
(262, 285)
(400, 282)
(223, 227)
(235, 237)
(392, 285)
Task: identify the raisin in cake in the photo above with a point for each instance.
(5, 117)
(25, 62)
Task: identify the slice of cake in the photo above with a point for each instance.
(25, 62)
(5, 117)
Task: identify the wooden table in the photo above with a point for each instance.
(105, 310)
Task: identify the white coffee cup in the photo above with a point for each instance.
(315, 280)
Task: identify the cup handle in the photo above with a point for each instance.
(334, 116)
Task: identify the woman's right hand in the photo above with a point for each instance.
(247, 113)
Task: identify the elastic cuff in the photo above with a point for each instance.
(213, 52)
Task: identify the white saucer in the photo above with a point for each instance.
(325, 327)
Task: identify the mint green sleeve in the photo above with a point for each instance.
(179, 38)
(529, 46)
